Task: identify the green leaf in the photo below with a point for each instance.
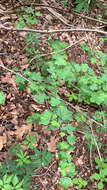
(45, 117)
(71, 139)
(94, 87)
(65, 155)
(93, 60)
(79, 7)
(15, 180)
(100, 185)
(64, 114)
(80, 117)
(66, 182)
(54, 101)
(57, 45)
(75, 180)
(41, 97)
(2, 98)
(1, 182)
(96, 176)
(84, 67)
(38, 13)
(19, 79)
(84, 183)
(36, 76)
(63, 145)
(33, 87)
(69, 128)
(60, 61)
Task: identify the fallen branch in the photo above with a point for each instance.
(56, 52)
(53, 31)
(74, 107)
(89, 18)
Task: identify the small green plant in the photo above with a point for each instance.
(11, 182)
(30, 141)
(2, 98)
(100, 176)
(22, 165)
(44, 77)
(40, 158)
(79, 182)
(67, 167)
(82, 4)
(91, 141)
(66, 182)
(22, 158)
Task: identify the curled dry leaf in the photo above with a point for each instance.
(3, 140)
(23, 130)
(52, 145)
(80, 161)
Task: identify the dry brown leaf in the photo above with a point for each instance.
(36, 107)
(52, 145)
(77, 108)
(1, 63)
(10, 80)
(3, 140)
(80, 161)
(21, 131)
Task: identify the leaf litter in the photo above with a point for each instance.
(19, 106)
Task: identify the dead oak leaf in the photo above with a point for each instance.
(3, 140)
(52, 145)
(80, 161)
(23, 130)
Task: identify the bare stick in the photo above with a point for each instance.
(15, 73)
(95, 142)
(90, 18)
(46, 171)
(54, 31)
(60, 51)
(90, 119)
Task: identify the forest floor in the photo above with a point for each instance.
(19, 104)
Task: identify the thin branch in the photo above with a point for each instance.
(15, 73)
(60, 51)
(90, 119)
(90, 18)
(54, 31)
(46, 171)
(96, 143)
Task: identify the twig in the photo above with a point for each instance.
(54, 31)
(95, 142)
(90, 18)
(46, 171)
(90, 119)
(91, 155)
(57, 15)
(60, 51)
(11, 71)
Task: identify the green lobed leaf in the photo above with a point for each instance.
(2, 98)
(45, 117)
(65, 182)
(100, 185)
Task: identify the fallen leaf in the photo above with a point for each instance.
(80, 161)
(3, 140)
(52, 145)
(1, 63)
(23, 130)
